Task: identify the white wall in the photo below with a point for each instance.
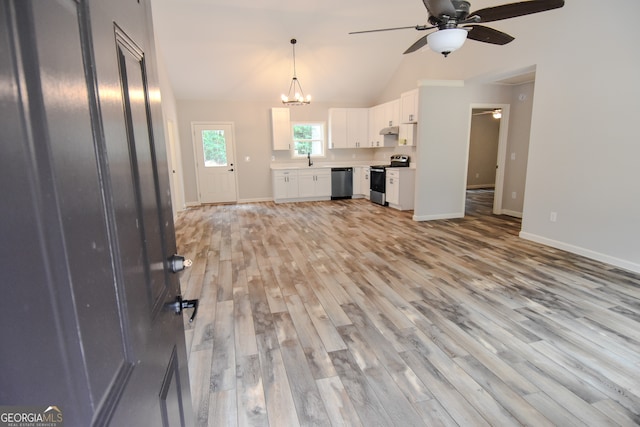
(174, 158)
(583, 148)
(443, 131)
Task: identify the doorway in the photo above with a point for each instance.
(487, 151)
(214, 146)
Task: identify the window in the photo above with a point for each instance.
(214, 146)
(308, 138)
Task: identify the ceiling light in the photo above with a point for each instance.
(447, 40)
(497, 114)
(298, 97)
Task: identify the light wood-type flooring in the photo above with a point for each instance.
(349, 313)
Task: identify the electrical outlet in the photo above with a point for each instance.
(477, 175)
(513, 156)
(513, 195)
(553, 216)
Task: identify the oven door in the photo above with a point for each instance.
(377, 179)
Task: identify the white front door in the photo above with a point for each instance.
(215, 162)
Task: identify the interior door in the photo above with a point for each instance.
(215, 162)
(86, 223)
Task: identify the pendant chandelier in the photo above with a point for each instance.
(295, 95)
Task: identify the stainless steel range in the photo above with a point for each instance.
(377, 177)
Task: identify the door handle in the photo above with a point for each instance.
(177, 263)
(179, 304)
(230, 170)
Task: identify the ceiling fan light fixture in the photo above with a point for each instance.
(447, 40)
(298, 97)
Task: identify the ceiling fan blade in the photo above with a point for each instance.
(422, 41)
(513, 10)
(415, 27)
(488, 35)
(438, 8)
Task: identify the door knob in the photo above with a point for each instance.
(230, 170)
(177, 263)
(179, 304)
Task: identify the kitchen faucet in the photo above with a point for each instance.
(309, 159)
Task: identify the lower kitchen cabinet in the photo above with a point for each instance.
(361, 181)
(314, 183)
(400, 188)
(290, 185)
(285, 184)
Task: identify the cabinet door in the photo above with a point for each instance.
(393, 187)
(409, 107)
(357, 180)
(338, 128)
(408, 134)
(392, 113)
(281, 128)
(365, 184)
(306, 183)
(357, 127)
(376, 123)
(285, 185)
(323, 183)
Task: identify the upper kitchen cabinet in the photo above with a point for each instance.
(281, 128)
(408, 134)
(392, 113)
(348, 127)
(409, 107)
(381, 117)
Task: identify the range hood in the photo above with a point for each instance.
(391, 130)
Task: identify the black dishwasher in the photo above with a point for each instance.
(341, 183)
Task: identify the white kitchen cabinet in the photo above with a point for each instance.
(361, 181)
(285, 184)
(337, 128)
(380, 117)
(376, 123)
(408, 134)
(409, 107)
(365, 184)
(357, 181)
(400, 188)
(348, 127)
(357, 127)
(392, 113)
(314, 183)
(281, 129)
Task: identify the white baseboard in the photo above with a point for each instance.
(588, 253)
(256, 200)
(191, 204)
(438, 216)
(514, 214)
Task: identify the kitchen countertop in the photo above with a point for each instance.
(323, 165)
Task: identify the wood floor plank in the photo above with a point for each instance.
(337, 402)
(309, 404)
(350, 313)
(251, 405)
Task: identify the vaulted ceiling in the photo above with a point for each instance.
(240, 49)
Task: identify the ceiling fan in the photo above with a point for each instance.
(446, 15)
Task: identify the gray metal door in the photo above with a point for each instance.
(86, 218)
